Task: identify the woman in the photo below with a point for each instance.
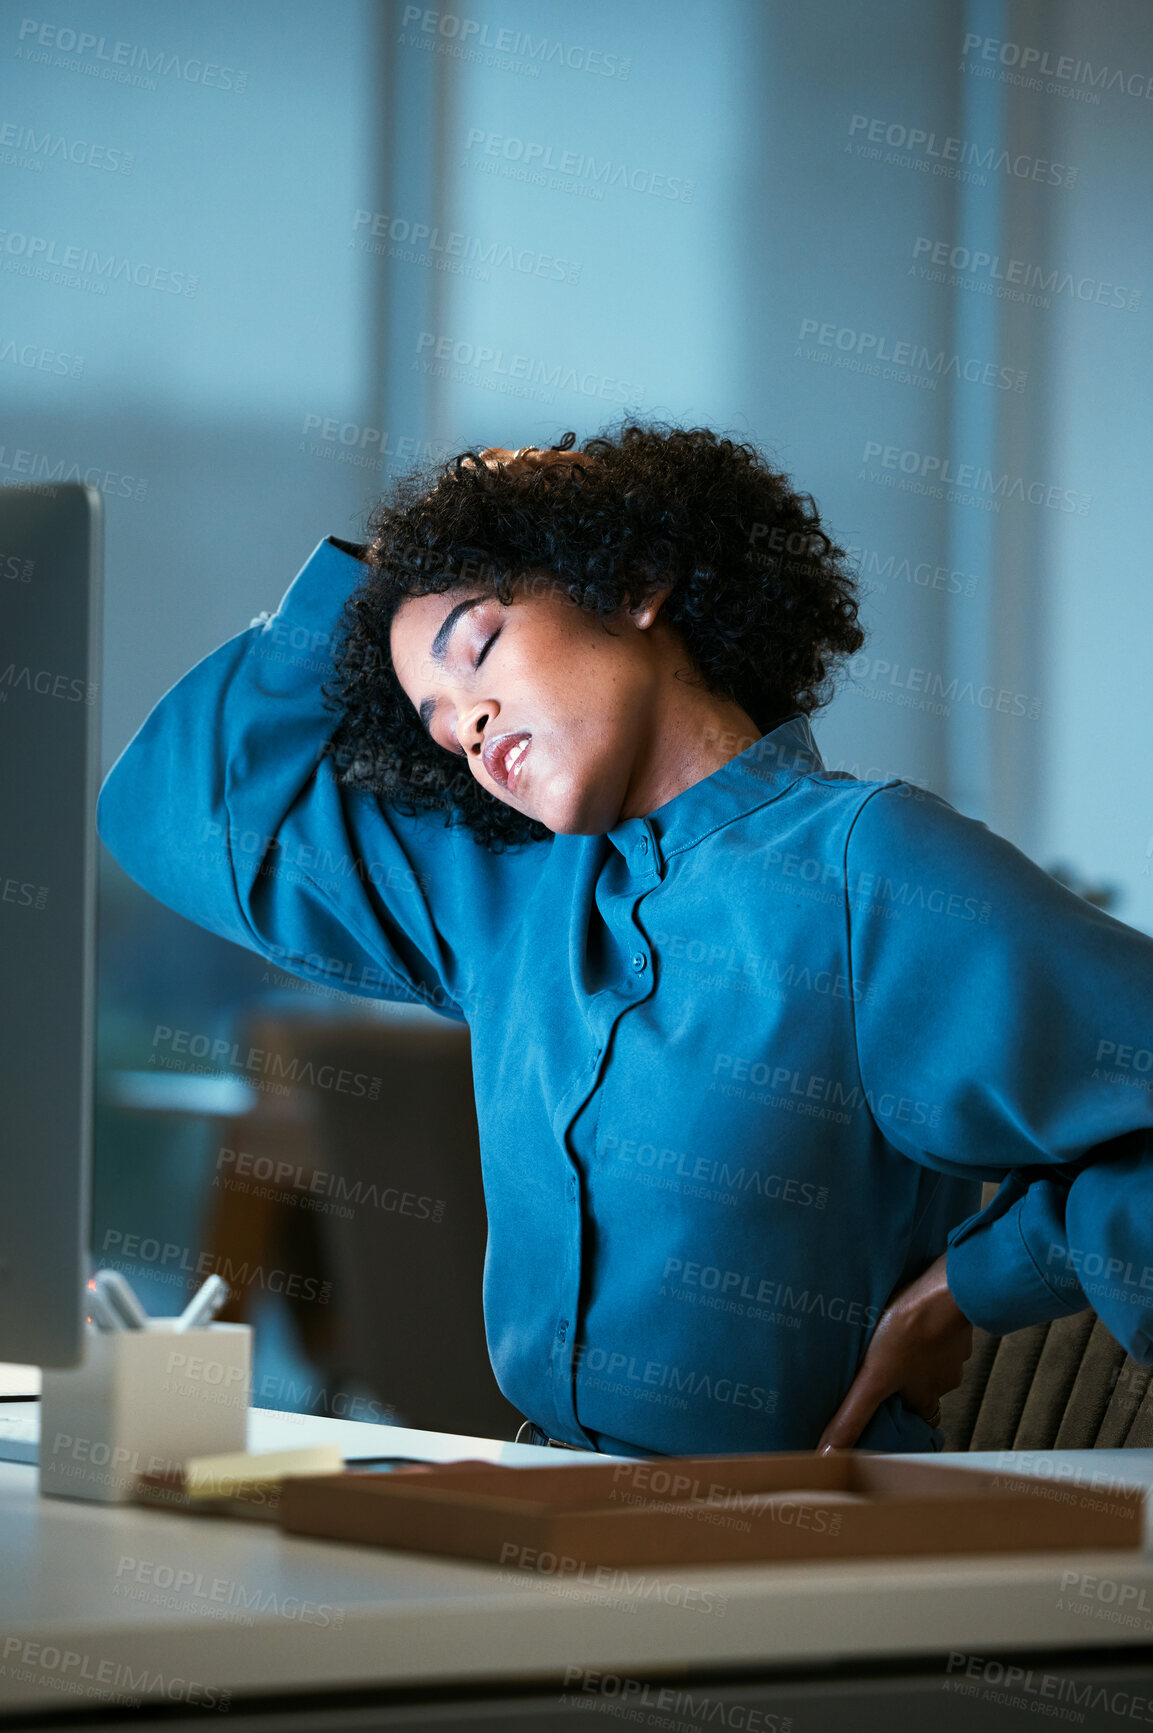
(747, 1034)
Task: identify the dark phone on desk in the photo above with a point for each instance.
(385, 1464)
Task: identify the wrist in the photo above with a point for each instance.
(932, 1299)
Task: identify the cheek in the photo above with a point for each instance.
(584, 664)
(572, 679)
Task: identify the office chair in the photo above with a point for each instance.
(1064, 1385)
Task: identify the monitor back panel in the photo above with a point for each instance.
(51, 542)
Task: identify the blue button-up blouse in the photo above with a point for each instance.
(740, 1064)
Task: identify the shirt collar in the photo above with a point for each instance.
(750, 779)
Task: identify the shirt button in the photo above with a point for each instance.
(640, 962)
(562, 1330)
(644, 845)
(572, 1185)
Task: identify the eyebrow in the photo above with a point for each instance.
(438, 649)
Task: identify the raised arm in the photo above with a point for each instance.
(227, 807)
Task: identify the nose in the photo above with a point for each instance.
(471, 731)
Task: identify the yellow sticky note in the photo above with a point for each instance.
(226, 1476)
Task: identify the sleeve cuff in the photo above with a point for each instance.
(993, 1274)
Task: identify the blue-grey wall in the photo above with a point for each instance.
(720, 214)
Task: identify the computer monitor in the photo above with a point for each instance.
(51, 584)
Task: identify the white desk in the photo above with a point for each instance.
(259, 1612)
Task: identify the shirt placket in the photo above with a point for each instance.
(635, 984)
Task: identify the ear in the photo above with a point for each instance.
(646, 612)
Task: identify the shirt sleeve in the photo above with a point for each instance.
(1004, 1031)
(226, 806)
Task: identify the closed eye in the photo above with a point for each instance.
(459, 752)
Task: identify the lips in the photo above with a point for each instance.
(496, 752)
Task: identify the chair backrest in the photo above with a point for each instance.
(1064, 1385)
(383, 1206)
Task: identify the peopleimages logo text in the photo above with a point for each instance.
(875, 346)
(1020, 273)
(947, 151)
(267, 1062)
(94, 54)
(1064, 68)
(941, 471)
(458, 249)
(470, 34)
(41, 251)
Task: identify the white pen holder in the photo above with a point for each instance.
(140, 1403)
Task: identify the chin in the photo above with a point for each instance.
(583, 813)
(584, 829)
(580, 800)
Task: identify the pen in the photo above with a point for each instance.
(204, 1304)
(120, 1299)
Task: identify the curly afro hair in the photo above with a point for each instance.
(765, 602)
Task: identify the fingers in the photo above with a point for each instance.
(528, 457)
(862, 1402)
(865, 1395)
(890, 1369)
(838, 1435)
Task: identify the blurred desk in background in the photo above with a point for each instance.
(352, 1187)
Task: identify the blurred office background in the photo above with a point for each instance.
(257, 260)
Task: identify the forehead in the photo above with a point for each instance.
(430, 610)
(419, 618)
